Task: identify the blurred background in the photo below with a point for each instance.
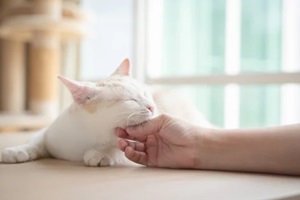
(237, 60)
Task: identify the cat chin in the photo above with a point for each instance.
(141, 123)
(137, 123)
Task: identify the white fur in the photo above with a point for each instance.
(85, 130)
(82, 135)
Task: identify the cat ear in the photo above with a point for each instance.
(73, 86)
(123, 69)
(80, 92)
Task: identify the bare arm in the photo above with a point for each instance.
(269, 150)
(166, 141)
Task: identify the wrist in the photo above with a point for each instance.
(203, 142)
(214, 149)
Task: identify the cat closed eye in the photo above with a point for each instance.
(133, 100)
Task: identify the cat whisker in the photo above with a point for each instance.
(128, 118)
(141, 114)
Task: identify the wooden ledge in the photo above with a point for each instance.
(19, 122)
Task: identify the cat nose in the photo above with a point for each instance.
(151, 108)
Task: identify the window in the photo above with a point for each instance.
(238, 60)
(110, 37)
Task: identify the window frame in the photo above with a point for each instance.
(232, 78)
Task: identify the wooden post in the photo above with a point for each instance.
(43, 24)
(1, 13)
(12, 75)
(43, 69)
(44, 62)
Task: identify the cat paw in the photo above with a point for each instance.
(94, 158)
(17, 155)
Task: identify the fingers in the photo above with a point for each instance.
(141, 132)
(137, 146)
(121, 133)
(134, 151)
(136, 156)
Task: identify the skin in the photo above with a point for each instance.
(169, 142)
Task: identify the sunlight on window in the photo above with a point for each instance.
(194, 38)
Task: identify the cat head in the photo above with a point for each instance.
(118, 95)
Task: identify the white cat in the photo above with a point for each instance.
(85, 130)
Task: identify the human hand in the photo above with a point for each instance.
(174, 143)
(161, 142)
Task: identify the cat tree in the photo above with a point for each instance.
(42, 24)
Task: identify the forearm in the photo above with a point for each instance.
(269, 150)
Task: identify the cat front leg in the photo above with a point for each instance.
(94, 158)
(35, 149)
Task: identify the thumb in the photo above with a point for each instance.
(150, 127)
